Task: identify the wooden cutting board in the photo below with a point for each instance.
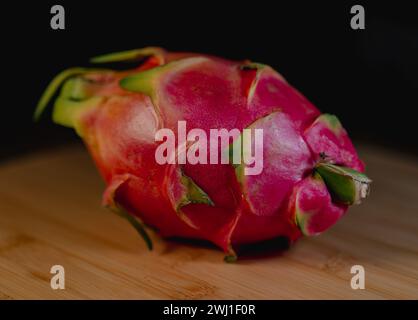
(50, 214)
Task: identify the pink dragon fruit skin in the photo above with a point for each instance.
(311, 171)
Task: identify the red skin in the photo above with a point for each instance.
(212, 93)
(315, 210)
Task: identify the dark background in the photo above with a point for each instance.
(369, 78)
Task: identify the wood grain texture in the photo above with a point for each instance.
(50, 214)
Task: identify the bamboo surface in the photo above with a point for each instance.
(50, 214)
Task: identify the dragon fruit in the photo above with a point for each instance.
(311, 172)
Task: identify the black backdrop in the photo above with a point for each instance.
(369, 78)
